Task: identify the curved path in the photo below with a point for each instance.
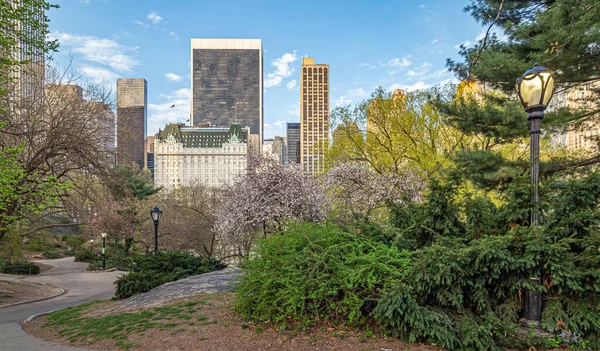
(81, 286)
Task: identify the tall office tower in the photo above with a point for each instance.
(28, 75)
(227, 83)
(132, 97)
(293, 142)
(314, 115)
(279, 150)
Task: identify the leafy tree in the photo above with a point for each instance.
(393, 134)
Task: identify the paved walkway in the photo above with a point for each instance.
(81, 286)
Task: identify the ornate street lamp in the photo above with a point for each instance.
(91, 245)
(535, 90)
(155, 214)
(103, 251)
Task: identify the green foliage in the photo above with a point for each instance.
(84, 255)
(130, 180)
(314, 271)
(20, 267)
(150, 271)
(467, 278)
(74, 241)
(50, 255)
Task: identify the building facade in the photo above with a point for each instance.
(582, 98)
(149, 161)
(213, 156)
(227, 83)
(293, 142)
(314, 115)
(132, 120)
(279, 149)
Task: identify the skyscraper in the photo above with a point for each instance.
(314, 115)
(132, 97)
(227, 83)
(293, 142)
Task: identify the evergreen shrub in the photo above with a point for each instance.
(149, 271)
(318, 271)
(21, 267)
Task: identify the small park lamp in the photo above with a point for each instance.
(91, 245)
(535, 90)
(155, 214)
(103, 251)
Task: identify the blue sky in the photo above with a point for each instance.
(395, 44)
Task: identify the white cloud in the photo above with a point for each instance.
(104, 51)
(161, 113)
(173, 77)
(435, 41)
(99, 73)
(154, 17)
(283, 69)
(294, 109)
(174, 35)
(351, 96)
(466, 43)
(419, 71)
(422, 6)
(279, 123)
(480, 36)
(421, 85)
(343, 100)
(398, 62)
(291, 84)
(368, 65)
(140, 23)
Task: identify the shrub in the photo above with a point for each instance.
(3, 261)
(150, 271)
(84, 256)
(74, 241)
(21, 267)
(320, 271)
(50, 255)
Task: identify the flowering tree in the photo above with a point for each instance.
(353, 188)
(262, 200)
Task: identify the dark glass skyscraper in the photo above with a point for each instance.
(227, 83)
(293, 142)
(132, 98)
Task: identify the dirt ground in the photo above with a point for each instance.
(222, 329)
(18, 291)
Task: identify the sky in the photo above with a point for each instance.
(393, 44)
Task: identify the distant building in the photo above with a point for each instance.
(267, 148)
(132, 102)
(65, 98)
(314, 115)
(580, 98)
(149, 161)
(380, 113)
(227, 83)
(213, 156)
(293, 142)
(279, 149)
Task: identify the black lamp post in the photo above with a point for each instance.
(103, 251)
(155, 214)
(91, 245)
(535, 90)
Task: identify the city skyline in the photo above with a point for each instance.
(366, 46)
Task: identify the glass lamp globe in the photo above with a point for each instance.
(536, 87)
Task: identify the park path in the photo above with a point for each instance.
(81, 286)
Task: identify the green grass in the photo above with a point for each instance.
(77, 328)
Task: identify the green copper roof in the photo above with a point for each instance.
(203, 136)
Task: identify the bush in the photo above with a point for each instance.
(74, 241)
(84, 256)
(50, 255)
(21, 267)
(150, 271)
(312, 271)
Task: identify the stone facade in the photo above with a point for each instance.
(213, 156)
